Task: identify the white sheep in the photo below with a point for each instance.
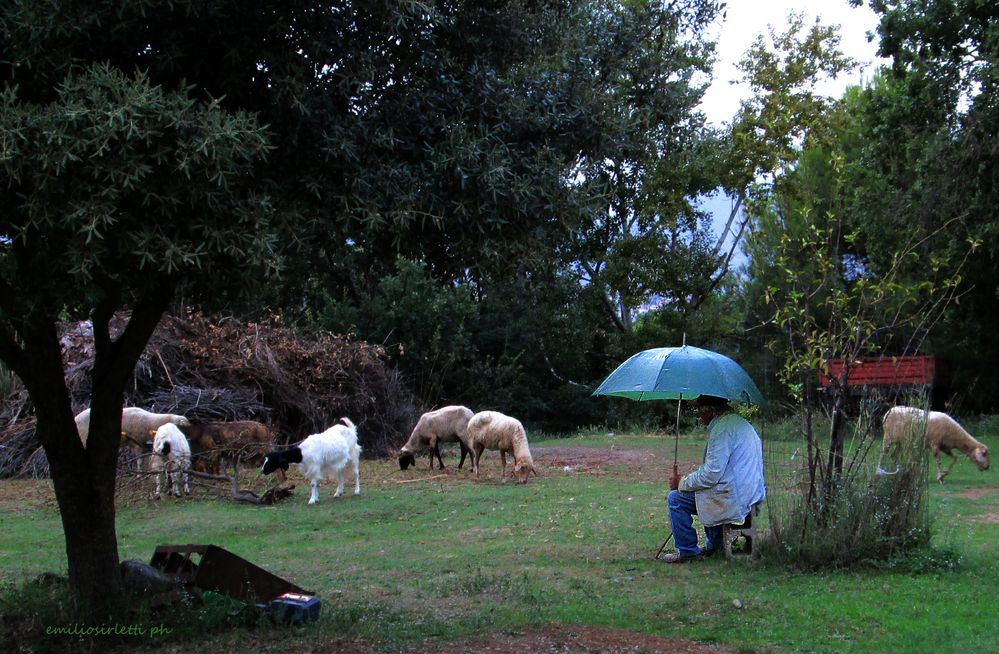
(495, 431)
(942, 434)
(171, 455)
(136, 423)
(445, 425)
(322, 455)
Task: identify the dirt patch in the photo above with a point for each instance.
(975, 493)
(26, 495)
(992, 518)
(565, 639)
(555, 639)
(549, 459)
(587, 459)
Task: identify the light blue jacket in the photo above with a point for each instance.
(730, 481)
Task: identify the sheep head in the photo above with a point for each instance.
(522, 471)
(406, 459)
(980, 455)
(280, 460)
(271, 464)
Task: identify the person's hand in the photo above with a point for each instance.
(674, 480)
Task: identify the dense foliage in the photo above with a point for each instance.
(929, 140)
(512, 269)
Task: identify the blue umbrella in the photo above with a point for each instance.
(680, 373)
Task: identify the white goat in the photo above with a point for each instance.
(172, 455)
(322, 455)
(942, 434)
(445, 425)
(495, 431)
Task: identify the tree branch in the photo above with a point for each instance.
(122, 354)
(607, 301)
(554, 373)
(736, 207)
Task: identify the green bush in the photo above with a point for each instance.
(856, 518)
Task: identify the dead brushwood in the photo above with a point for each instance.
(224, 369)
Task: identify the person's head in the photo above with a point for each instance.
(708, 406)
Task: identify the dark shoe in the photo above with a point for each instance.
(677, 557)
(708, 552)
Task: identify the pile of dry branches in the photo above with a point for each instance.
(226, 369)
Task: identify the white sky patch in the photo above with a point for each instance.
(746, 19)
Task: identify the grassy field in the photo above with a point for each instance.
(422, 561)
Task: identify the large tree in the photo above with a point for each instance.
(133, 163)
(114, 190)
(933, 142)
(647, 242)
(602, 126)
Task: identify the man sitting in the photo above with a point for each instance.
(724, 488)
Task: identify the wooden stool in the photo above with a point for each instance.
(746, 529)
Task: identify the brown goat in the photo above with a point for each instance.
(240, 441)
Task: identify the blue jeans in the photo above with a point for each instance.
(681, 515)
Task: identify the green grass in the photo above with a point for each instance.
(436, 560)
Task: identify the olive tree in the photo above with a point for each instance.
(113, 192)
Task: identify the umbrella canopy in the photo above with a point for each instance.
(680, 373)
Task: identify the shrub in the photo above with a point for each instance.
(858, 517)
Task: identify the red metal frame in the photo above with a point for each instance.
(883, 371)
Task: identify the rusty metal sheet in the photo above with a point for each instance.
(221, 571)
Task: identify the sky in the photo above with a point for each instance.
(745, 19)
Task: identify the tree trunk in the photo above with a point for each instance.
(85, 493)
(837, 440)
(813, 451)
(837, 437)
(84, 480)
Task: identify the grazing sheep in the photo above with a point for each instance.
(446, 425)
(136, 423)
(322, 455)
(237, 441)
(942, 433)
(172, 455)
(495, 431)
(136, 426)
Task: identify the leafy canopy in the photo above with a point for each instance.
(118, 182)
